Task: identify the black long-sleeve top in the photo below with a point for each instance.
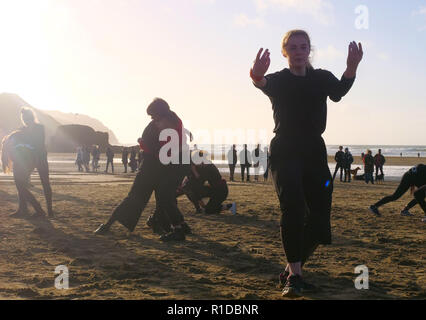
(299, 103)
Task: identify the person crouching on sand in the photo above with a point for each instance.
(298, 154)
(415, 177)
(154, 176)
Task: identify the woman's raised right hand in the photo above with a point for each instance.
(261, 64)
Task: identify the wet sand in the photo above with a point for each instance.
(227, 256)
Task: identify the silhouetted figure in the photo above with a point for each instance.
(86, 158)
(23, 151)
(232, 161)
(265, 164)
(339, 157)
(110, 159)
(257, 153)
(369, 167)
(133, 163)
(125, 158)
(379, 161)
(140, 158)
(79, 159)
(96, 155)
(347, 161)
(245, 162)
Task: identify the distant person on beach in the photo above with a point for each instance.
(125, 158)
(79, 159)
(299, 165)
(369, 167)
(245, 163)
(96, 155)
(232, 161)
(110, 159)
(86, 158)
(216, 188)
(362, 157)
(415, 177)
(23, 151)
(418, 155)
(133, 163)
(379, 161)
(400, 154)
(156, 176)
(265, 163)
(140, 158)
(257, 153)
(339, 158)
(347, 162)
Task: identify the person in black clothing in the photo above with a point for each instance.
(256, 161)
(415, 177)
(245, 163)
(155, 176)
(369, 167)
(110, 159)
(216, 190)
(339, 157)
(133, 163)
(140, 158)
(232, 161)
(379, 161)
(27, 151)
(265, 163)
(299, 165)
(125, 158)
(347, 161)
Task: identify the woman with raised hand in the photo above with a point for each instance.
(298, 155)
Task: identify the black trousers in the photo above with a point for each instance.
(112, 165)
(377, 170)
(217, 195)
(243, 168)
(348, 173)
(231, 171)
(420, 195)
(338, 166)
(303, 183)
(404, 185)
(153, 176)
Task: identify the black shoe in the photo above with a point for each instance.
(102, 229)
(176, 235)
(186, 229)
(282, 279)
(293, 287)
(374, 210)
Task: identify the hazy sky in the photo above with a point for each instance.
(109, 58)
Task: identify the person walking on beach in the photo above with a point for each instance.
(232, 161)
(347, 161)
(155, 176)
(23, 151)
(379, 161)
(110, 159)
(299, 165)
(245, 163)
(415, 177)
(125, 158)
(369, 167)
(265, 163)
(339, 158)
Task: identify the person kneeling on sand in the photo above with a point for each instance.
(415, 177)
(203, 170)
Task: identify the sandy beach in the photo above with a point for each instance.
(227, 256)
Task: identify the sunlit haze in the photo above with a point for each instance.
(108, 59)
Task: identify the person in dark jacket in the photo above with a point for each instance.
(256, 155)
(155, 175)
(339, 158)
(232, 161)
(133, 163)
(379, 161)
(299, 165)
(265, 164)
(369, 167)
(348, 159)
(110, 159)
(245, 163)
(125, 158)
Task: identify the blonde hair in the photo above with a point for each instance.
(296, 32)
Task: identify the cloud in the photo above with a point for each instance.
(383, 56)
(322, 11)
(242, 20)
(329, 53)
(420, 11)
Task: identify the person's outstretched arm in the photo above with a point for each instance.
(260, 66)
(338, 88)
